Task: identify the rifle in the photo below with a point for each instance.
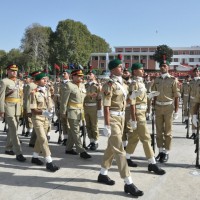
(197, 143)
(188, 113)
(83, 131)
(182, 111)
(153, 124)
(24, 125)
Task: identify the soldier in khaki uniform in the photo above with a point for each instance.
(10, 107)
(185, 97)
(193, 85)
(166, 108)
(138, 105)
(41, 108)
(92, 109)
(114, 102)
(72, 106)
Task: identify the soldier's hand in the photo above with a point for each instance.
(1, 116)
(99, 113)
(47, 114)
(135, 93)
(107, 131)
(153, 94)
(133, 124)
(175, 116)
(194, 120)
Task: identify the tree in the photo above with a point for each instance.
(35, 45)
(2, 58)
(163, 52)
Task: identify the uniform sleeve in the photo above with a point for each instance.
(64, 98)
(176, 89)
(33, 102)
(132, 87)
(107, 93)
(2, 96)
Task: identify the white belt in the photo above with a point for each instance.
(116, 113)
(141, 107)
(186, 95)
(164, 103)
(192, 97)
(90, 104)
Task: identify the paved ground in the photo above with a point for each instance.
(77, 178)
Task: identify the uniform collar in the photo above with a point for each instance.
(166, 75)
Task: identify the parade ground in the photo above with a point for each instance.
(77, 178)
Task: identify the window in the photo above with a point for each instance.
(151, 57)
(143, 57)
(191, 52)
(175, 59)
(103, 58)
(191, 60)
(95, 58)
(127, 57)
(175, 53)
(111, 57)
(136, 57)
(102, 65)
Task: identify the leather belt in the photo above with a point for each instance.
(90, 104)
(164, 103)
(141, 107)
(186, 95)
(75, 105)
(12, 100)
(117, 113)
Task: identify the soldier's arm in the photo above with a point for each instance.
(133, 87)
(107, 115)
(64, 100)
(2, 97)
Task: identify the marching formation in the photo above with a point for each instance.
(126, 100)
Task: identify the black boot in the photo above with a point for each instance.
(186, 122)
(156, 169)
(159, 156)
(105, 180)
(164, 158)
(20, 158)
(85, 155)
(51, 167)
(37, 161)
(131, 163)
(133, 190)
(192, 136)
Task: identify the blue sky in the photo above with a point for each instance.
(120, 22)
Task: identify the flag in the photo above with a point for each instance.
(65, 67)
(56, 67)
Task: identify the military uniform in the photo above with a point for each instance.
(148, 85)
(164, 108)
(10, 104)
(92, 103)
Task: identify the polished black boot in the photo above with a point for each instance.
(133, 190)
(105, 180)
(164, 158)
(51, 167)
(131, 163)
(156, 169)
(159, 156)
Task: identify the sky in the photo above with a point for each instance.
(175, 23)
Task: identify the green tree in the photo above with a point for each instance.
(2, 58)
(35, 46)
(163, 52)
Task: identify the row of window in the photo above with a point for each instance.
(183, 59)
(125, 57)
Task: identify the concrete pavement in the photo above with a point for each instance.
(77, 178)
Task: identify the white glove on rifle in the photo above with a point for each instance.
(135, 93)
(153, 94)
(99, 113)
(47, 114)
(107, 131)
(175, 115)
(194, 120)
(133, 124)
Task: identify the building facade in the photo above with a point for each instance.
(183, 57)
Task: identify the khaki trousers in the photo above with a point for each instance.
(41, 143)
(90, 113)
(164, 119)
(127, 127)
(115, 148)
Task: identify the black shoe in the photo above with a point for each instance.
(156, 169)
(20, 158)
(72, 152)
(27, 134)
(133, 190)
(85, 155)
(192, 136)
(131, 163)
(64, 142)
(59, 140)
(93, 146)
(105, 180)
(159, 156)
(37, 161)
(51, 167)
(48, 138)
(10, 152)
(31, 145)
(164, 158)
(23, 133)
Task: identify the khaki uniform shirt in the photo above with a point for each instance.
(193, 89)
(11, 102)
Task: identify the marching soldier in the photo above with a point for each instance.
(41, 108)
(114, 102)
(92, 109)
(138, 105)
(166, 109)
(193, 85)
(10, 107)
(72, 106)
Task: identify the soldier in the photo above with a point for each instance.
(41, 108)
(185, 97)
(193, 85)
(114, 102)
(92, 109)
(72, 106)
(10, 107)
(138, 105)
(166, 109)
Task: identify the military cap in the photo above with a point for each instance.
(114, 63)
(33, 74)
(39, 76)
(164, 62)
(12, 67)
(77, 72)
(136, 66)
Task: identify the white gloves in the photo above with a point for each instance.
(175, 115)
(99, 113)
(135, 93)
(47, 114)
(153, 94)
(107, 131)
(194, 120)
(133, 124)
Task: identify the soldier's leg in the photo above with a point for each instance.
(33, 138)
(64, 123)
